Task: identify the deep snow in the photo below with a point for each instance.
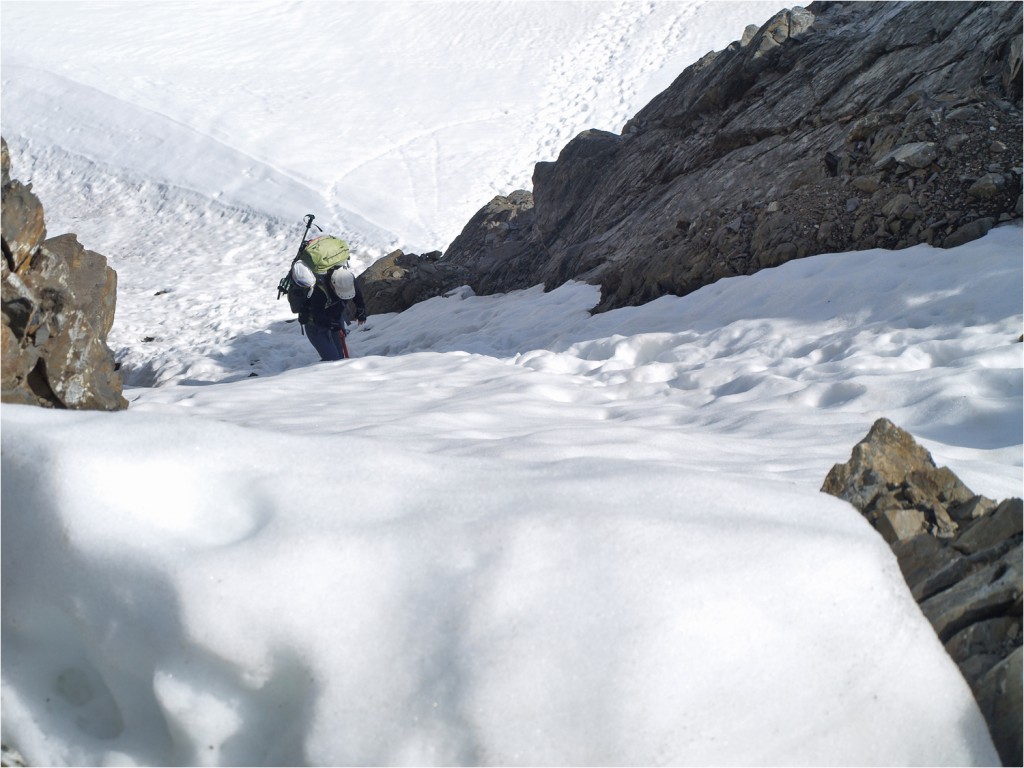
(506, 532)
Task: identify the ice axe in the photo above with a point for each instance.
(286, 281)
(308, 219)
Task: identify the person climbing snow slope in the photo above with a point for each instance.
(322, 312)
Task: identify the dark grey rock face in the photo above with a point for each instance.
(491, 248)
(487, 256)
(842, 127)
(960, 554)
(839, 127)
(58, 307)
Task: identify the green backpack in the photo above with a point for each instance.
(322, 253)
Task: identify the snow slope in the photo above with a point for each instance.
(506, 531)
(509, 534)
(395, 121)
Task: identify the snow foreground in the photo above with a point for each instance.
(512, 533)
(194, 594)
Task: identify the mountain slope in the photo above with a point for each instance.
(841, 127)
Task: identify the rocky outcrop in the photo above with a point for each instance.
(960, 554)
(397, 281)
(58, 307)
(488, 254)
(839, 127)
(494, 245)
(10, 757)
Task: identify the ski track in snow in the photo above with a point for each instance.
(422, 173)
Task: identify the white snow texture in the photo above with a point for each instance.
(506, 532)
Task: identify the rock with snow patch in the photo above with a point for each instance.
(968, 232)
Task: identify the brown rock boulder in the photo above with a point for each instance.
(896, 485)
(961, 557)
(58, 307)
(397, 281)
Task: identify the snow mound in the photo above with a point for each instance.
(194, 594)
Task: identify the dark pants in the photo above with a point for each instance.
(325, 341)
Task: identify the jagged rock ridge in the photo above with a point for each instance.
(839, 127)
(960, 554)
(58, 307)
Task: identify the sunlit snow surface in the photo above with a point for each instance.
(605, 547)
(506, 531)
(395, 121)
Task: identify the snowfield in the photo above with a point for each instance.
(506, 532)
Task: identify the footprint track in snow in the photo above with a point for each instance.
(608, 93)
